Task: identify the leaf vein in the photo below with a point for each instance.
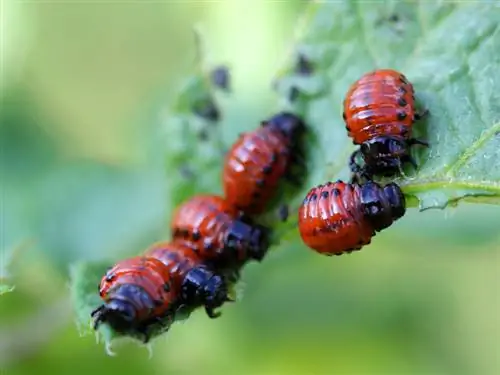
(470, 151)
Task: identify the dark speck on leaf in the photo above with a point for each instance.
(221, 78)
(283, 212)
(394, 17)
(207, 110)
(304, 66)
(186, 171)
(203, 134)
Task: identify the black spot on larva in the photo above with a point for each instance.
(196, 235)
(338, 181)
(402, 89)
(401, 115)
(303, 66)
(158, 302)
(166, 287)
(347, 128)
(344, 116)
(110, 277)
(267, 169)
(402, 102)
(335, 192)
(324, 194)
(329, 183)
(403, 79)
(220, 77)
(260, 183)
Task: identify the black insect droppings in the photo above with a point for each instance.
(303, 66)
(207, 110)
(221, 77)
(283, 212)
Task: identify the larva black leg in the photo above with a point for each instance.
(415, 141)
(99, 316)
(211, 313)
(420, 115)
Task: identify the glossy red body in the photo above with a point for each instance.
(177, 258)
(151, 276)
(331, 220)
(380, 103)
(202, 223)
(253, 167)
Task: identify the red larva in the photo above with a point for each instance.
(379, 111)
(197, 284)
(258, 160)
(336, 218)
(137, 293)
(217, 231)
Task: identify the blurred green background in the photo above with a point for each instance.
(82, 178)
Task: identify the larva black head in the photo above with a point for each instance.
(290, 125)
(247, 240)
(382, 206)
(396, 199)
(201, 286)
(119, 313)
(385, 155)
(123, 307)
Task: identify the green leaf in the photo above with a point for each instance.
(84, 281)
(450, 51)
(189, 155)
(4, 288)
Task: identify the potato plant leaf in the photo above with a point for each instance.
(450, 51)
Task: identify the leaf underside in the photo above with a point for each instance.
(449, 51)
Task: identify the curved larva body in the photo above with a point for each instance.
(379, 112)
(215, 230)
(137, 292)
(379, 103)
(336, 218)
(258, 160)
(196, 282)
